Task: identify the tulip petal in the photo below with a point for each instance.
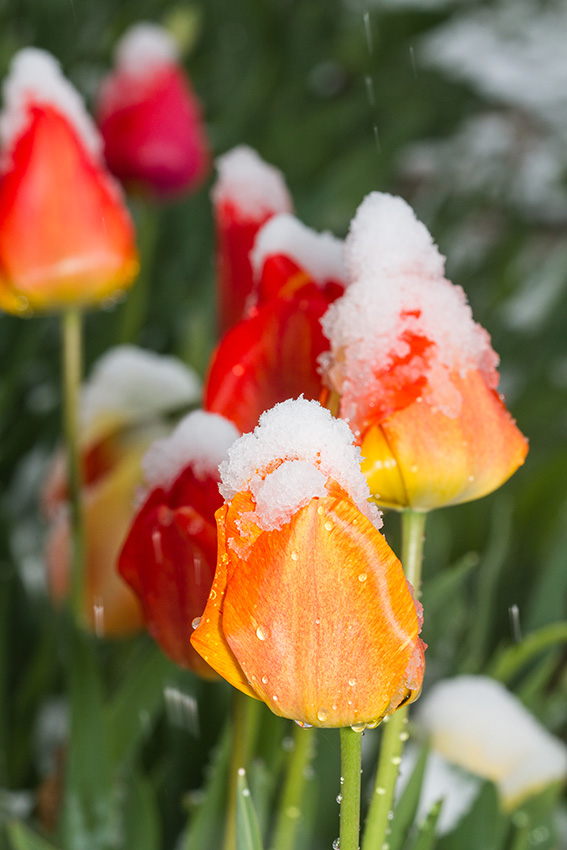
(421, 458)
(318, 617)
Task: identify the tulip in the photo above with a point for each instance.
(309, 609)
(124, 405)
(149, 117)
(272, 354)
(66, 239)
(246, 194)
(475, 723)
(169, 555)
(411, 372)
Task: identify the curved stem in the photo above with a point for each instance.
(245, 713)
(294, 789)
(72, 373)
(394, 733)
(351, 746)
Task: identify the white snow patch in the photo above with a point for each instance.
(255, 187)
(441, 781)
(35, 79)
(295, 430)
(137, 384)
(200, 440)
(395, 288)
(319, 254)
(474, 722)
(144, 47)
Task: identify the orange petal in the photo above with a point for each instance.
(422, 459)
(319, 618)
(65, 236)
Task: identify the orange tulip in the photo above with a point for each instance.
(123, 413)
(309, 609)
(412, 373)
(65, 235)
(246, 194)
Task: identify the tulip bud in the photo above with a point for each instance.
(65, 235)
(149, 117)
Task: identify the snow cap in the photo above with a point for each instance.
(319, 254)
(35, 79)
(200, 440)
(133, 384)
(310, 448)
(474, 722)
(396, 287)
(255, 187)
(144, 47)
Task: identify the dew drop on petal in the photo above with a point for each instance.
(358, 727)
(304, 725)
(362, 577)
(265, 680)
(294, 556)
(328, 525)
(322, 715)
(352, 682)
(262, 633)
(195, 622)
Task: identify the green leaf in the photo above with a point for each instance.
(426, 836)
(141, 817)
(509, 661)
(247, 829)
(206, 823)
(90, 809)
(23, 838)
(127, 725)
(404, 813)
(484, 826)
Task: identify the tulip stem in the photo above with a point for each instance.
(72, 373)
(245, 712)
(351, 749)
(394, 733)
(294, 789)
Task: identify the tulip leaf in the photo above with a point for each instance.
(130, 713)
(247, 828)
(405, 810)
(427, 835)
(90, 809)
(141, 819)
(509, 661)
(483, 826)
(23, 838)
(206, 824)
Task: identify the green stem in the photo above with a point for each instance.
(135, 308)
(351, 746)
(394, 733)
(294, 789)
(72, 373)
(244, 727)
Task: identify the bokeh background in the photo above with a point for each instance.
(460, 107)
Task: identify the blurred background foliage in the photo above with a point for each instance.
(461, 107)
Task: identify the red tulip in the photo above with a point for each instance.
(150, 119)
(273, 353)
(412, 373)
(309, 609)
(65, 235)
(247, 193)
(170, 553)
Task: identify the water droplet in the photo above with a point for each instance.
(358, 727)
(304, 725)
(404, 736)
(362, 577)
(317, 621)
(195, 622)
(322, 715)
(352, 682)
(292, 812)
(339, 798)
(396, 760)
(213, 594)
(245, 792)
(265, 680)
(262, 633)
(238, 370)
(390, 815)
(385, 846)
(22, 303)
(342, 780)
(320, 510)
(294, 556)
(373, 724)
(275, 699)
(336, 844)
(380, 791)
(328, 525)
